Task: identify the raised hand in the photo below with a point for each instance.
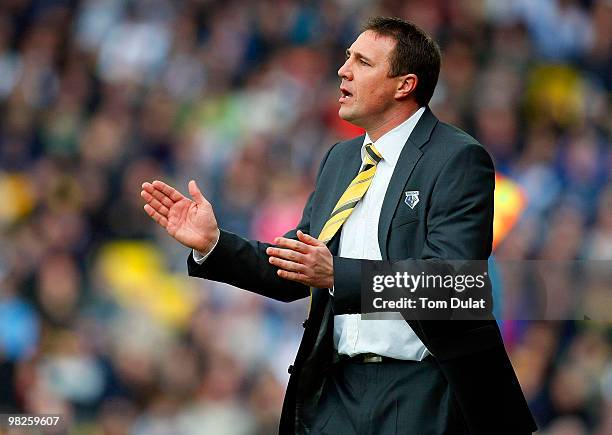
(191, 222)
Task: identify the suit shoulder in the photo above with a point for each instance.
(349, 145)
(451, 139)
(339, 153)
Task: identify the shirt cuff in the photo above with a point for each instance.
(331, 290)
(199, 257)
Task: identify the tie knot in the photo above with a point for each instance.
(372, 155)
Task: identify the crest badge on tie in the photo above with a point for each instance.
(412, 198)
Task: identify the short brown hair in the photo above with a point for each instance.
(415, 52)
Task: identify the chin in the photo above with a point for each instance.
(346, 114)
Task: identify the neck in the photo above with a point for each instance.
(380, 129)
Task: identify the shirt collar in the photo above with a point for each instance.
(391, 143)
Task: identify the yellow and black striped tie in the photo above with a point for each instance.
(352, 195)
(349, 199)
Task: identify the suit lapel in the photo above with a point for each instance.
(410, 155)
(344, 175)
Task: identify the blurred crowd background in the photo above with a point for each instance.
(98, 321)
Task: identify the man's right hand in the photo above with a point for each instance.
(191, 222)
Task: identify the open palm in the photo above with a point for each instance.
(191, 222)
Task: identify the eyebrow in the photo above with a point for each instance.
(359, 55)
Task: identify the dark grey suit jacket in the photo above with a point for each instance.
(453, 221)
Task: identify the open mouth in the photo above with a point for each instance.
(345, 95)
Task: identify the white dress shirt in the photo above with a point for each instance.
(359, 239)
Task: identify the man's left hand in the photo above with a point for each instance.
(306, 260)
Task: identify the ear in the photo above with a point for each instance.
(406, 86)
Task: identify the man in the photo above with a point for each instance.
(413, 188)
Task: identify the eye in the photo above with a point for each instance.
(364, 62)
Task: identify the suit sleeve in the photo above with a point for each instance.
(459, 224)
(244, 263)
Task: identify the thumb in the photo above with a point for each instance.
(308, 239)
(195, 193)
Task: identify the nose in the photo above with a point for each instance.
(345, 72)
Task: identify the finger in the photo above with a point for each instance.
(286, 254)
(287, 265)
(157, 206)
(161, 220)
(169, 191)
(162, 196)
(292, 244)
(293, 276)
(195, 192)
(157, 194)
(308, 239)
